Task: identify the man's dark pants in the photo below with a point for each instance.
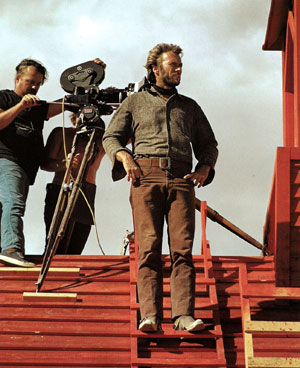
(164, 194)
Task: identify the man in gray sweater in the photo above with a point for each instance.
(164, 128)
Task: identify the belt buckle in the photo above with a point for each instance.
(168, 166)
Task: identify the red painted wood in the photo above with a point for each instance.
(72, 342)
(288, 89)
(95, 331)
(284, 207)
(72, 358)
(282, 216)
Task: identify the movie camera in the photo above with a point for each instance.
(82, 82)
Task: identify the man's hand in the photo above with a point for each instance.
(29, 100)
(131, 168)
(198, 177)
(76, 160)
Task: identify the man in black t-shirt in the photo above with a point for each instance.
(21, 144)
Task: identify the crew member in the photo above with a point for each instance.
(164, 126)
(54, 160)
(21, 144)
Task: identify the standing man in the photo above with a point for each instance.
(163, 126)
(79, 226)
(21, 144)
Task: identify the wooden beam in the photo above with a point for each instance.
(49, 297)
(246, 314)
(274, 362)
(272, 327)
(295, 27)
(54, 271)
(267, 291)
(282, 216)
(288, 88)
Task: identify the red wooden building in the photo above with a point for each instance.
(88, 313)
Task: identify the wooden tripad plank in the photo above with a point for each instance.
(38, 297)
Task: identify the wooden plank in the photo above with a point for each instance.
(168, 332)
(294, 19)
(272, 326)
(118, 327)
(229, 262)
(199, 280)
(267, 291)
(282, 216)
(50, 297)
(288, 96)
(245, 311)
(84, 261)
(72, 358)
(190, 352)
(295, 156)
(266, 314)
(274, 362)
(264, 344)
(252, 275)
(176, 363)
(20, 271)
(64, 313)
(41, 342)
(73, 286)
(14, 300)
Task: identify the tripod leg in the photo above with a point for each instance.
(67, 236)
(55, 237)
(57, 216)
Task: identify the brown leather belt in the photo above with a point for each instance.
(161, 162)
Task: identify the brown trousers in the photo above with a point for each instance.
(164, 194)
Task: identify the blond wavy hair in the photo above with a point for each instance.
(154, 57)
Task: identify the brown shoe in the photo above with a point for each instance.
(15, 258)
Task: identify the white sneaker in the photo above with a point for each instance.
(149, 324)
(188, 323)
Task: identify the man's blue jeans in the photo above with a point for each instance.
(14, 185)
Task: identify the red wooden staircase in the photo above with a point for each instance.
(99, 328)
(170, 348)
(285, 334)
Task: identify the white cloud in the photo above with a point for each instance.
(87, 28)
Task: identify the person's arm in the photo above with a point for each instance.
(199, 176)
(205, 149)
(115, 140)
(51, 157)
(8, 116)
(54, 110)
(131, 168)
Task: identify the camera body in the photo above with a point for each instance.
(82, 82)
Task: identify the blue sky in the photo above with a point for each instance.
(224, 69)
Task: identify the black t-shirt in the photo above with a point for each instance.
(22, 140)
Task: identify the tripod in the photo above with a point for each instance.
(68, 196)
